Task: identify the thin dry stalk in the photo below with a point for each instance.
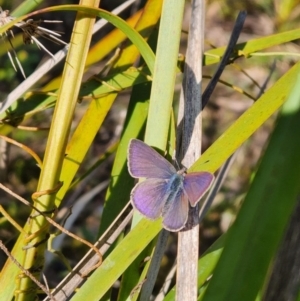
(73, 280)
(26, 272)
(52, 222)
(190, 134)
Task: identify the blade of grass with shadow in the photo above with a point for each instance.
(260, 224)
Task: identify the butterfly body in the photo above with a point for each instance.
(164, 192)
(174, 187)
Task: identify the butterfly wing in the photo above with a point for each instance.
(196, 184)
(148, 197)
(145, 162)
(175, 213)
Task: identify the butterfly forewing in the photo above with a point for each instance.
(148, 197)
(145, 162)
(196, 184)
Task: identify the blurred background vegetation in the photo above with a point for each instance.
(226, 105)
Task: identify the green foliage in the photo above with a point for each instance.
(239, 260)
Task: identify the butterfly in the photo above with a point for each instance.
(165, 192)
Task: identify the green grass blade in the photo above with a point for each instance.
(118, 261)
(213, 56)
(164, 74)
(26, 6)
(118, 193)
(258, 229)
(55, 149)
(248, 123)
(157, 128)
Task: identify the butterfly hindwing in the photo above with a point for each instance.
(196, 184)
(175, 213)
(148, 197)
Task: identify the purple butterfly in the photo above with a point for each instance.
(165, 192)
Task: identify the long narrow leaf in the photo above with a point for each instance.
(258, 229)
